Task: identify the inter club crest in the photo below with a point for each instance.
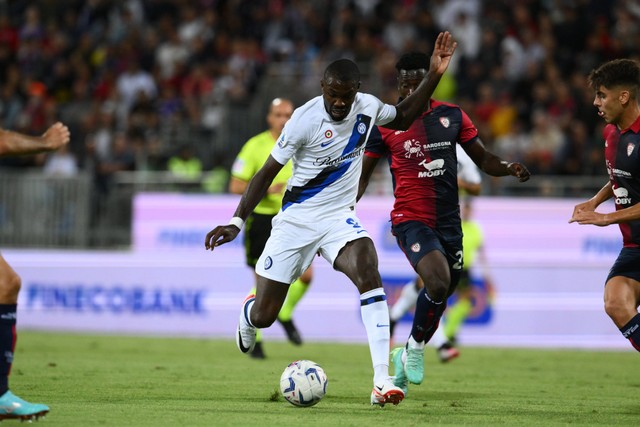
(444, 121)
(630, 147)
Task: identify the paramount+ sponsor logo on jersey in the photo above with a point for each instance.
(433, 168)
(100, 298)
(328, 161)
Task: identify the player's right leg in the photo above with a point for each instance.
(287, 253)
(296, 291)
(11, 406)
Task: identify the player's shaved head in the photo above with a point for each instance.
(342, 70)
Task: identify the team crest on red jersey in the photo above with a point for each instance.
(444, 121)
(630, 147)
(415, 247)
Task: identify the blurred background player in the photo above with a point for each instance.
(426, 213)
(11, 406)
(469, 180)
(258, 226)
(616, 84)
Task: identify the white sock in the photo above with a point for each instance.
(438, 337)
(412, 343)
(407, 299)
(375, 316)
(246, 317)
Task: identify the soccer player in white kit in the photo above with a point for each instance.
(325, 138)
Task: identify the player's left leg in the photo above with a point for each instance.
(621, 300)
(426, 253)
(622, 294)
(11, 406)
(358, 260)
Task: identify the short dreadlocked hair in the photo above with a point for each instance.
(413, 61)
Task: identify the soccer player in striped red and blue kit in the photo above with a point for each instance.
(617, 85)
(426, 214)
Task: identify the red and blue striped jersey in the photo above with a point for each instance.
(622, 157)
(423, 164)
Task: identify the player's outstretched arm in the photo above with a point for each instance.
(494, 165)
(15, 143)
(411, 107)
(255, 191)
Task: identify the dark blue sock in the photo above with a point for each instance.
(631, 331)
(7, 343)
(426, 318)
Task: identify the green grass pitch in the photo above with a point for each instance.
(135, 381)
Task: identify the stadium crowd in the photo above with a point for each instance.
(128, 76)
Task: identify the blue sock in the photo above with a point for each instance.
(7, 343)
(426, 318)
(631, 331)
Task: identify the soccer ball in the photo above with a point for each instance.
(303, 383)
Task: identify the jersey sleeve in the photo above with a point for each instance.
(386, 113)
(375, 145)
(468, 130)
(244, 166)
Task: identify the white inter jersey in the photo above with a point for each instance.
(327, 155)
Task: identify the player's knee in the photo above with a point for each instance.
(615, 309)
(437, 289)
(10, 286)
(367, 280)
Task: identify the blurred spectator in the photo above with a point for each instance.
(130, 85)
(546, 142)
(61, 163)
(174, 71)
(185, 164)
(170, 53)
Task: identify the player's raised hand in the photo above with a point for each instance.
(220, 235)
(56, 136)
(442, 52)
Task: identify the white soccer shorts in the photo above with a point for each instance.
(294, 241)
